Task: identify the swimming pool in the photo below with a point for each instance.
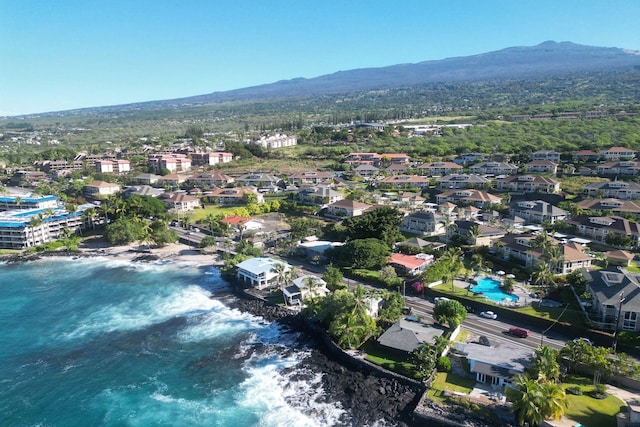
(490, 288)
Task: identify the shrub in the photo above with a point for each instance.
(444, 364)
(574, 390)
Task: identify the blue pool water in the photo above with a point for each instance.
(490, 288)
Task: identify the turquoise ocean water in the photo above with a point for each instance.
(100, 342)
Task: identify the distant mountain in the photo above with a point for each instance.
(544, 60)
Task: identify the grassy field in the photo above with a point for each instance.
(587, 410)
(448, 381)
(387, 359)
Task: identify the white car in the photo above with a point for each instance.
(489, 315)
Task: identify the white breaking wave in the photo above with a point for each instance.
(282, 401)
(145, 310)
(218, 321)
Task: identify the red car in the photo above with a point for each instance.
(520, 332)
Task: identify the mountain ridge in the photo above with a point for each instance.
(546, 59)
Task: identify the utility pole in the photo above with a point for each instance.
(615, 332)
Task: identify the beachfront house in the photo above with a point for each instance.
(495, 365)
(303, 287)
(260, 273)
(409, 334)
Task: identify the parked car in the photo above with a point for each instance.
(438, 299)
(587, 340)
(520, 332)
(488, 315)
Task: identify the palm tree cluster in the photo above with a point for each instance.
(536, 395)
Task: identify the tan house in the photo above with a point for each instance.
(347, 209)
(181, 202)
(404, 181)
(232, 196)
(101, 188)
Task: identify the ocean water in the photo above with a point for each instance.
(99, 342)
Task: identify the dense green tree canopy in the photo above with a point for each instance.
(450, 312)
(380, 223)
(361, 253)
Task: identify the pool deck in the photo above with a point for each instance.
(519, 289)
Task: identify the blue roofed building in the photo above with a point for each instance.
(259, 272)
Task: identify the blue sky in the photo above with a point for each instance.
(65, 54)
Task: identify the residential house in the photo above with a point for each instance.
(375, 159)
(599, 227)
(537, 211)
(486, 235)
(28, 178)
(438, 168)
(312, 248)
(347, 209)
(239, 223)
(548, 155)
(301, 289)
(619, 257)
(310, 178)
(104, 166)
(320, 195)
(147, 178)
(618, 153)
(623, 167)
(462, 181)
(542, 166)
(404, 181)
(101, 189)
(407, 335)
(212, 179)
(493, 168)
(616, 206)
(426, 223)
(625, 190)
(258, 180)
(497, 365)
(521, 248)
(260, 272)
(367, 171)
(448, 209)
(466, 158)
(613, 291)
(528, 184)
(173, 179)
(477, 198)
(397, 169)
(419, 244)
(410, 265)
(232, 196)
(181, 202)
(585, 156)
(143, 190)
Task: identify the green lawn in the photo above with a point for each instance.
(589, 411)
(570, 316)
(200, 214)
(388, 359)
(448, 381)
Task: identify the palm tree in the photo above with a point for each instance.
(360, 302)
(281, 271)
(453, 264)
(555, 400)
(34, 222)
(542, 275)
(89, 216)
(527, 400)
(546, 364)
(474, 233)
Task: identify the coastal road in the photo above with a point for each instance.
(494, 330)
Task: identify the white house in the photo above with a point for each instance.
(259, 272)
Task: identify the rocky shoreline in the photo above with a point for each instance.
(367, 398)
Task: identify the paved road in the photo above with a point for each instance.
(495, 330)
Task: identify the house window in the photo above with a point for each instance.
(481, 378)
(629, 321)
